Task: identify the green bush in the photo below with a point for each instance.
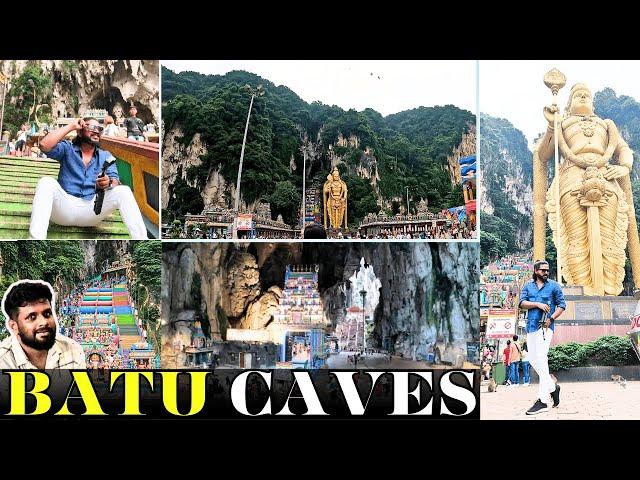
(559, 360)
(609, 350)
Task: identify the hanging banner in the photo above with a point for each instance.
(245, 221)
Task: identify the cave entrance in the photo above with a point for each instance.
(111, 98)
(354, 331)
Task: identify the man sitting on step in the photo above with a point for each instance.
(70, 199)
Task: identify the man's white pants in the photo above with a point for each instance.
(538, 348)
(51, 202)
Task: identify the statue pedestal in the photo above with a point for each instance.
(590, 317)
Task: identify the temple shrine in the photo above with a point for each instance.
(300, 323)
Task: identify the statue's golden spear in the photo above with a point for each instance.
(554, 79)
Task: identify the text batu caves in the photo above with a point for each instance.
(451, 393)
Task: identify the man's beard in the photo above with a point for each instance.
(542, 278)
(86, 139)
(33, 342)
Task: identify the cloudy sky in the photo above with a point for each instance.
(515, 90)
(386, 86)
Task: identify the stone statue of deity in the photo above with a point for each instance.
(597, 220)
(334, 194)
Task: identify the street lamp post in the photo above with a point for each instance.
(407, 200)
(259, 91)
(304, 189)
(33, 109)
(363, 293)
(5, 87)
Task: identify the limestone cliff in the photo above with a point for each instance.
(427, 296)
(176, 161)
(506, 185)
(96, 253)
(79, 85)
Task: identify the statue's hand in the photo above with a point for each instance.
(549, 113)
(615, 171)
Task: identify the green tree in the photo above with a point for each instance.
(20, 97)
(285, 200)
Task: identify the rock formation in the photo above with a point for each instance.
(506, 176)
(79, 85)
(428, 291)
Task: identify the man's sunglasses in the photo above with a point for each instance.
(94, 128)
(544, 270)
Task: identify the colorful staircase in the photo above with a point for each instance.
(18, 179)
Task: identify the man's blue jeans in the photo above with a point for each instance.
(514, 373)
(525, 371)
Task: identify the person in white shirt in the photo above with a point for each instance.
(110, 129)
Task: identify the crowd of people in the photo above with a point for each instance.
(515, 358)
(133, 128)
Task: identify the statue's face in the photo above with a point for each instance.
(582, 102)
(336, 175)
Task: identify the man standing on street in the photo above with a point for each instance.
(545, 301)
(507, 366)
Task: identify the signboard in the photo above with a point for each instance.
(635, 324)
(588, 311)
(622, 310)
(460, 213)
(473, 351)
(501, 323)
(245, 221)
(634, 334)
(248, 335)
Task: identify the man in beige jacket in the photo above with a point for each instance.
(29, 309)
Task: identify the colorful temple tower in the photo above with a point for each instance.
(300, 321)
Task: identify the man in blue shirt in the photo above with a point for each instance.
(545, 301)
(70, 199)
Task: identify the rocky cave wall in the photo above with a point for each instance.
(428, 295)
(98, 84)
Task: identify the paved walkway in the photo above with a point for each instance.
(377, 361)
(578, 401)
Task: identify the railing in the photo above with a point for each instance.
(139, 169)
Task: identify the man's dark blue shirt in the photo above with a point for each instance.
(74, 178)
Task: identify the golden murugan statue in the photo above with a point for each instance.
(334, 194)
(597, 219)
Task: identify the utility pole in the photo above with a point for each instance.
(259, 91)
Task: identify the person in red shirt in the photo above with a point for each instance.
(505, 354)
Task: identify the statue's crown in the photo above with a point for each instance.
(578, 86)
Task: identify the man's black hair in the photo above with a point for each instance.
(24, 294)
(536, 266)
(315, 231)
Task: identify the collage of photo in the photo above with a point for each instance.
(328, 215)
